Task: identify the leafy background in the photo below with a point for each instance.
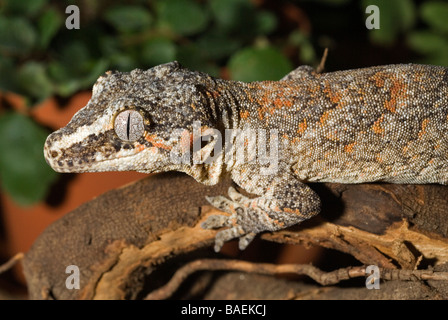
(233, 39)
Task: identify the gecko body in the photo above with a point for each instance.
(386, 123)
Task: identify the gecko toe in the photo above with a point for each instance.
(226, 235)
(236, 196)
(246, 240)
(223, 204)
(215, 221)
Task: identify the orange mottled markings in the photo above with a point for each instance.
(418, 76)
(139, 147)
(302, 127)
(377, 128)
(273, 97)
(423, 129)
(398, 91)
(261, 111)
(324, 117)
(277, 99)
(193, 106)
(334, 96)
(244, 114)
(378, 78)
(294, 211)
(349, 147)
(280, 103)
(213, 94)
(379, 158)
(333, 135)
(152, 138)
(280, 224)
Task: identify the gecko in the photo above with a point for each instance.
(384, 123)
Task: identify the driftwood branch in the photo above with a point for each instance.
(11, 262)
(130, 241)
(323, 278)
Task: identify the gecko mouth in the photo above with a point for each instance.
(93, 162)
(88, 160)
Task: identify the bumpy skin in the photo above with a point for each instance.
(385, 123)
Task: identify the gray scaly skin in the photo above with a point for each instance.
(385, 123)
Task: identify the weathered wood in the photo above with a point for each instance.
(147, 229)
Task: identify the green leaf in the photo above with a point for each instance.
(74, 56)
(76, 69)
(123, 62)
(396, 17)
(431, 46)
(427, 42)
(23, 171)
(7, 67)
(307, 54)
(94, 69)
(241, 18)
(33, 81)
(192, 57)
(231, 15)
(67, 83)
(253, 64)
(265, 22)
(435, 14)
(331, 2)
(108, 45)
(17, 35)
(157, 51)
(217, 45)
(49, 24)
(128, 18)
(182, 16)
(24, 7)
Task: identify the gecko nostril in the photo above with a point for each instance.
(54, 154)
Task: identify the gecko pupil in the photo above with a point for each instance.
(129, 125)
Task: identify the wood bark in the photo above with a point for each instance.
(131, 240)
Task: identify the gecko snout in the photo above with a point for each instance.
(54, 156)
(51, 154)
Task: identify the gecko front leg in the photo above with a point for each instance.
(283, 201)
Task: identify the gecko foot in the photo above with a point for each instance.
(243, 222)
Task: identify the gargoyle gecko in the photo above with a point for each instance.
(385, 123)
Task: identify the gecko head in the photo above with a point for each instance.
(132, 122)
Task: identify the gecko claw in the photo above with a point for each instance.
(238, 221)
(227, 235)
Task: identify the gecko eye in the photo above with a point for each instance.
(129, 125)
